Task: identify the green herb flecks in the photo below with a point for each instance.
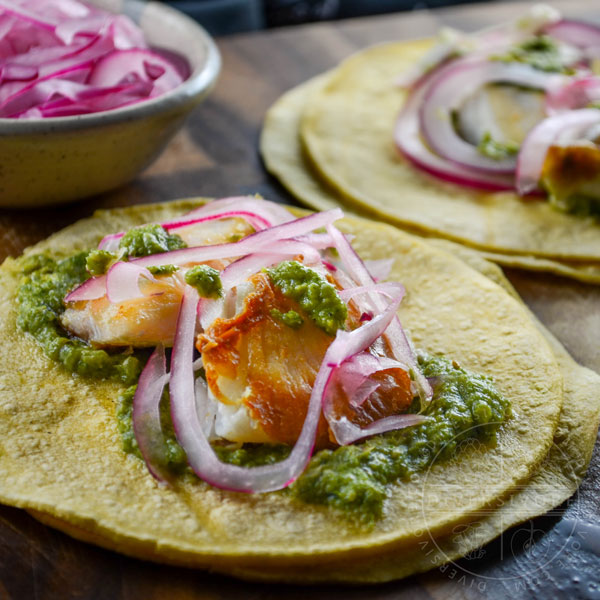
(316, 296)
(206, 280)
(149, 239)
(495, 149)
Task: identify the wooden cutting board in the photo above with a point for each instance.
(554, 556)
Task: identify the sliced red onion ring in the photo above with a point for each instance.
(346, 432)
(451, 87)
(380, 268)
(561, 128)
(398, 342)
(253, 243)
(270, 211)
(92, 289)
(345, 346)
(259, 223)
(122, 65)
(581, 35)
(111, 242)
(391, 289)
(354, 373)
(262, 212)
(407, 135)
(122, 281)
(191, 434)
(576, 93)
(146, 415)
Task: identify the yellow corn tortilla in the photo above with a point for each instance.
(347, 129)
(555, 481)
(61, 456)
(285, 157)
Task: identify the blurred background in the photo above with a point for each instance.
(222, 17)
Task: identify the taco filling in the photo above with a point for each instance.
(289, 368)
(513, 107)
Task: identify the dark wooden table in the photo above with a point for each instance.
(216, 155)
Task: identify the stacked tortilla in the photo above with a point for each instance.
(61, 455)
(330, 141)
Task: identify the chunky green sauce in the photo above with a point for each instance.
(40, 298)
(99, 261)
(163, 270)
(206, 280)
(541, 52)
(149, 239)
(318, 298)
(496, 150)
(291, 318)
(355, 478)
(575, 204)
(176, 459)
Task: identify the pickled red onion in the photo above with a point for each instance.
(564, 128)
(146, 415)
(67, 42)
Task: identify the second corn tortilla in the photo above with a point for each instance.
(556, 480)
(285, 157)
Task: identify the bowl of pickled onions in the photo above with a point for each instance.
(90, 93)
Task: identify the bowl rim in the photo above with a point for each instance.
(189, 91)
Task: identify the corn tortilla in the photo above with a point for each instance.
(60, 452)
(555, 481)
(285, 157)
(347, 129)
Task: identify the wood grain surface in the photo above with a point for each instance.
(216, 155)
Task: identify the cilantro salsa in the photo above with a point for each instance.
(352, 478)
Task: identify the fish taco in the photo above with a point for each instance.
(228, 386)
(487, 139)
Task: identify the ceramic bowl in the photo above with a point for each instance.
(57, 160)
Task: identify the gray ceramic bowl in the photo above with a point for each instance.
(51, 161)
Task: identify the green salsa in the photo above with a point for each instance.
(315, 295)
(176, 460)
(163, 270)
(99, 261)
(355, 478)
(206, 280)
(541, 52)
(496, 150)
(40, 304)
(575, 204)
(291, 318)
(149, 239)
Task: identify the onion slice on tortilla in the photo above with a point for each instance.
(451, 87)
(577, 93)
(122, 281)
(563, 128)
(407, 135)
(399, 345)
(577, 33)
(146, 415)
(92, 289)
(255, 242)
(191, 433)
